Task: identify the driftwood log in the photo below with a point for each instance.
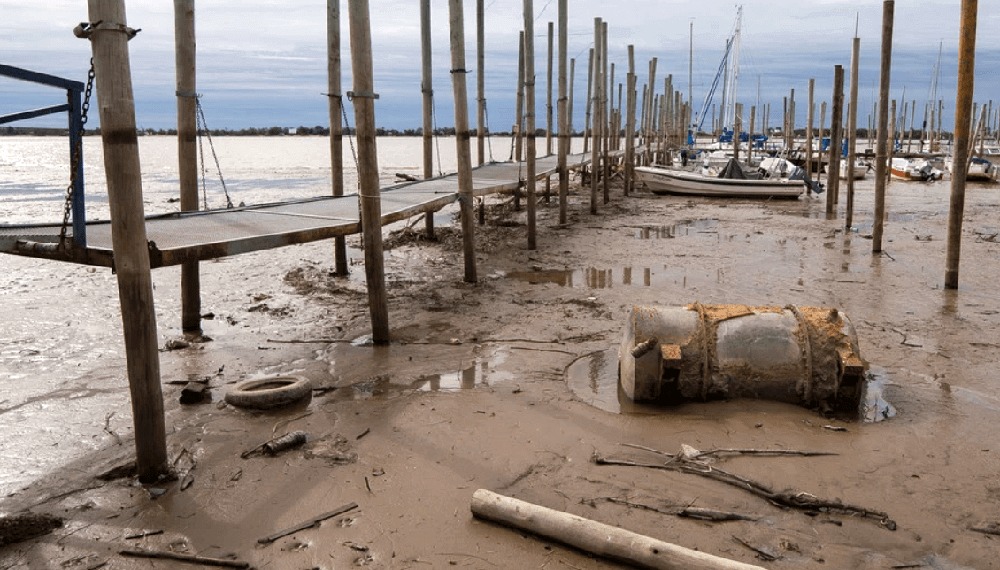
(594, 537)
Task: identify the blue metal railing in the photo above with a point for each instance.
(73, 107)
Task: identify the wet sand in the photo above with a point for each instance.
(510, 385)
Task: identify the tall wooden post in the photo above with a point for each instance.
(336, 105)
(371, 204)
(852, 132)
(569, 105)
(529, 114)
(187, 151)
(882, 146)
(548, 93)
(809, 128)
(963, 107)
(836, 128)
(650, 105)
(595, 156)
(462, 136)
(737, 126)
(519, 107)
(587, 130)
(563, 112)
(630, 79)
(481, 81)
(128, 233)
(427, 90)
(753, 118)
(606, 130)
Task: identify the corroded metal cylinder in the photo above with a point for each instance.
(803, 355)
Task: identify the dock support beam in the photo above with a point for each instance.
(529, 115)
(463, 150)
(128, 234)
(563, 112)
(836, 132)
(963, 118)
(336, 105)
(882, 146)
(427, 89)
(187, 152)
(852, 132)
(371, 204)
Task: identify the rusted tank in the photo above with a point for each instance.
(803, 355)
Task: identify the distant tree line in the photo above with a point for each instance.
(252, 132)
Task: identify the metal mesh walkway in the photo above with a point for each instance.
(189, 236)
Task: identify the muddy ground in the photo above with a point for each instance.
(509, 385)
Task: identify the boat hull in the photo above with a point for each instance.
(666, 181)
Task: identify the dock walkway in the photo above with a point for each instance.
(189, 236)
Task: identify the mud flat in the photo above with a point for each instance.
(509, 385)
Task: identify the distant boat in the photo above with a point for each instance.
(914, 169)
(859, 171)
(980, 170)
(732, 182)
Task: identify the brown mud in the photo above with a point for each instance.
(509, 385)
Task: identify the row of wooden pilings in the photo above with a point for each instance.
(663, 123)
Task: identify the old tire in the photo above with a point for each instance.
(271, 392)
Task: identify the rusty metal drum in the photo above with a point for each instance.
(803, 355)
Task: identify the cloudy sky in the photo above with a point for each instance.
(263, 63)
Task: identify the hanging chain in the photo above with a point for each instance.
(211, 146)
(76, 156)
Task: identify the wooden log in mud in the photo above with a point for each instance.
(595, 537)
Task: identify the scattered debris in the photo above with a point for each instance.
(791, 498)
(26, 525)
(143, 534)
(835, 428)
(987, 528)
(766, 554)
(703, 514)
(165, 555)
(195, 393)
(308, 524)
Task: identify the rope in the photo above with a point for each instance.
(350, 140)
(489, 141)
(437, 139)
(204, 125)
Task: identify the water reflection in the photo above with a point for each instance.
(608, 278)
(681, 228)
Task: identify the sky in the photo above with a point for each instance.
(264, 63)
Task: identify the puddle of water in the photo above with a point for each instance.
(599, 278)
(682, 228)
(377, 363)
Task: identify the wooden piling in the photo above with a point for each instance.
(882, 146)
(737, 126)
(852, 131)
(427, 89)
(605, 126)
(587, 130)
(963, 106)
(519, 108)
(335, 104)
(836, 124)
(481, 82)
(648, 112)
(529, 114)
(595, 156)
(109, 43)
(563, 112)
(457, 28)
(548, 93)
(571, 88)
(630, 79)
(371, 204)
(810, 116)
(753, 118)
(187, 151)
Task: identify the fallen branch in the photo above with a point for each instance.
(160, 554)
(307, 524)
(763, 554)
(791, 499)
(594, 537)
(988, 528)
(715, 453)
(690, 512)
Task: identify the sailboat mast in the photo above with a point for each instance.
(734, 70)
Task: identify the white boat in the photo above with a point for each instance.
(919, 169)
(860, 170)
(659, 180)
(980, 169)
